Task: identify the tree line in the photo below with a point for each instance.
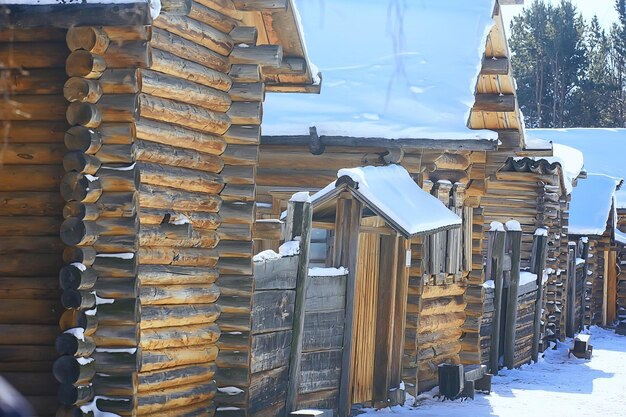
(570, 72)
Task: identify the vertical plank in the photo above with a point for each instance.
(402, 291)
(611, 277)
(540, 246)
(583, 298)
(570, 323)
(497, 269)
(387, 279)
(605, 289)
(515, 238)
(302, 282)
(351, 212)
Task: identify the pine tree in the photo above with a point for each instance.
(529, 60)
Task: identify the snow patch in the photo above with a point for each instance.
(117, 350)
(526, 277)
(496, 227)
(327, 272)
(489, 284)
(513, 226)
(290, 248)
(230, 390)
(266, 255)
(84, 361)
(541, 232)
(126, 255)
(300, 197)
(77, 332)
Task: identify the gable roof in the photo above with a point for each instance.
(592, 202)
(391, 193)
(406, 71)
(603, 150)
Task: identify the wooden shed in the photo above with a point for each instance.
(594, 220)
(149, 127)
(347, 338)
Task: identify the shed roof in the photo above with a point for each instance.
(570, 160)
(603, 150)
(403, 70)
(592, 202)
(391, 193)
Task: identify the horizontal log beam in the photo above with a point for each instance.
(260, 5)
(264, 55)
(179, 137)
(495, 103)
(168, 63)
(495, 66)
(75, 14)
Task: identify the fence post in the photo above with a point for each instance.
(540, 249)
(515, 238)
(583, 297)
(570, 323)
(301, 219)
(496, 240)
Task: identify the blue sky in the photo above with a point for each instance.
(604, 9)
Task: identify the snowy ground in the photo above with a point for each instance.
(556, 386)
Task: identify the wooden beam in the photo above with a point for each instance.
(302, 282)
(385, 319)
(292, 66)
(373, 142)
(260, 5)
(495, 66)
(495, 102)
(348, 227)
(515, 238)
(495, 265)
(68, 15)
(265, 55)
(539, 255)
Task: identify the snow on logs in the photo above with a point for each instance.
(99, 352)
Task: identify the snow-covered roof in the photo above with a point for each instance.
(603, 150)
(571, 161)
(398, 70)
(391, 193)
(591, 205)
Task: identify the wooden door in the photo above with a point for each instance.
(364, 331)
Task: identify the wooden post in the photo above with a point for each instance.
(540, 249)
(605, 288)
(583, 296)
(302, 282)
(496, 242)
(515, 238)
(399, 324)
(347, 226)
(385, 320)
(611, 278)
(570, 318)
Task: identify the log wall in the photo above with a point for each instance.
(198, 135)
(32, 126)
(524, 327)
(284, 170)
(537, 200)
(101, 289)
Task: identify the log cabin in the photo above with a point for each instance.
(552, 179)
(360, 120)
(605, 303)
(127, 191)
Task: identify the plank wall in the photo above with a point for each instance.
(32, 112)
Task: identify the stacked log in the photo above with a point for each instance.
(33, 123)
(100, 348)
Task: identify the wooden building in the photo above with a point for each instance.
(149, 127)
(603, 225)
(446, 297)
